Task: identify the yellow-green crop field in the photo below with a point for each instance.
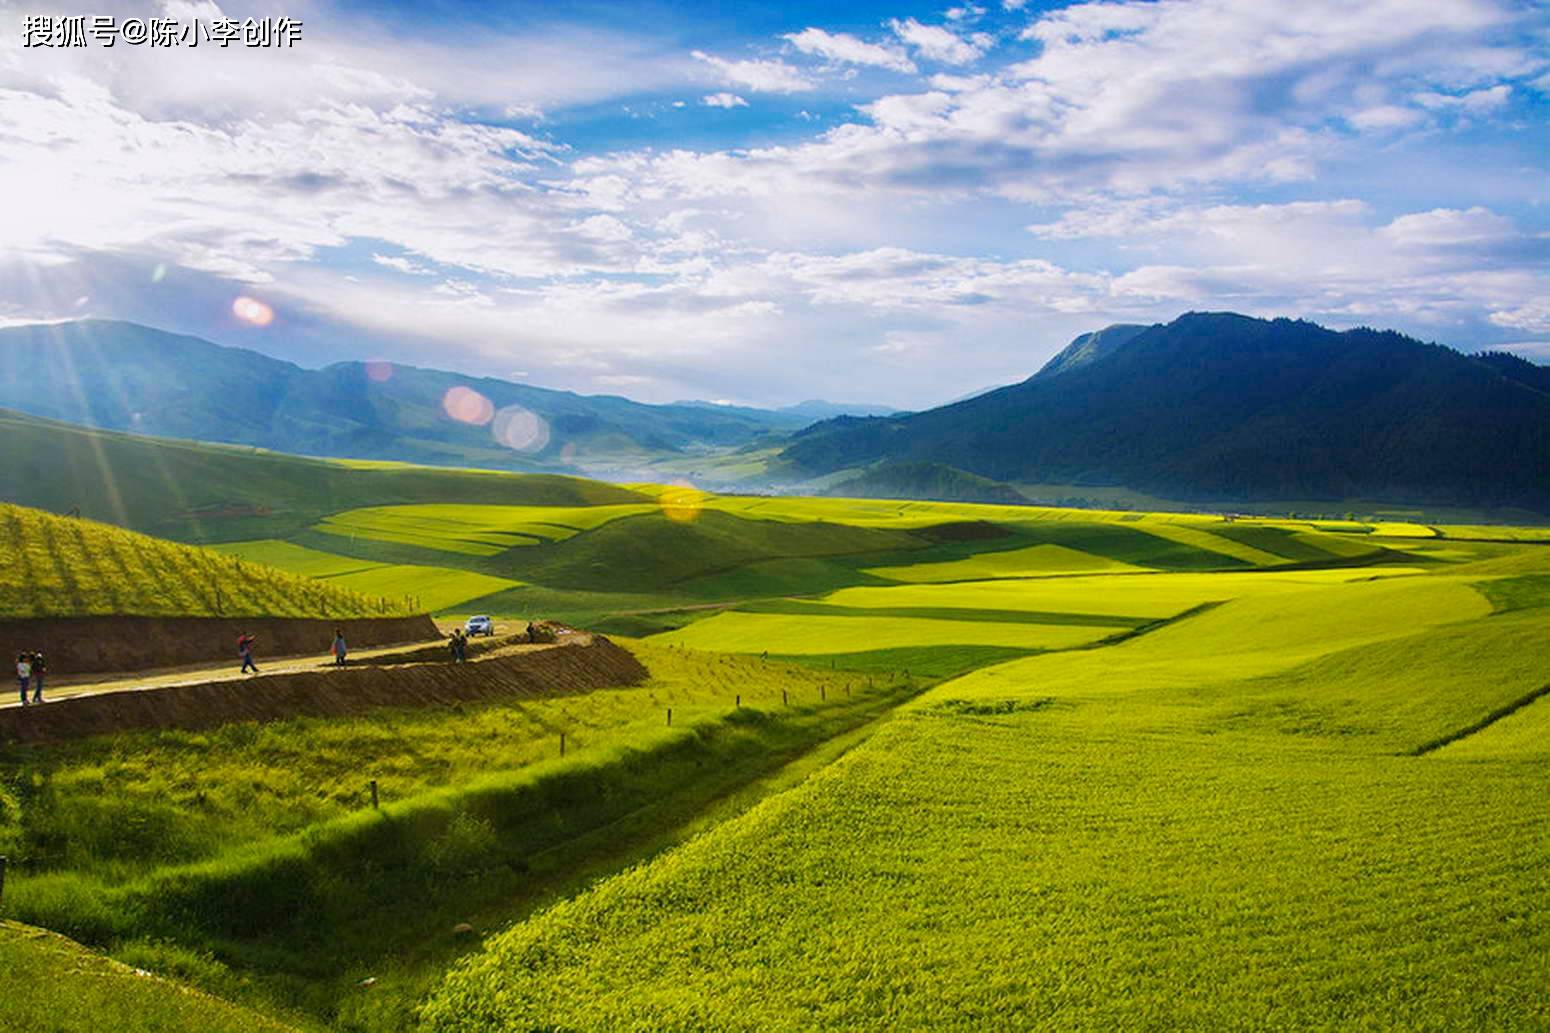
(1319, 803)
(1152, 771)
(54, 566)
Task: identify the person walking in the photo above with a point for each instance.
(340, 649)
(460, 648)
(24, 673)
(245, 650)
(39, 669)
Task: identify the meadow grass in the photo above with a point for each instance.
(296, 890)
(1215, 825)
(54, 566)
(49, 984)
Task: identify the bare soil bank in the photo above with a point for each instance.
(95, 645)
(584, 663)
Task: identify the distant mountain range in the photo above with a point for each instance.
(123, 376)
(1218, 407)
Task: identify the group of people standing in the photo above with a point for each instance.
(30, 671)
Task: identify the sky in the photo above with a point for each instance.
(760, 203)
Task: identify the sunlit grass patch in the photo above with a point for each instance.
(778, 633)
(1032, 561)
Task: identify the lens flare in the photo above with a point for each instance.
(379, 370)
(251, 310)
(520, 430)
(466, 405)
(682, 502)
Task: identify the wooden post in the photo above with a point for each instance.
(784, 701)
(562, 744)
(373, 794)
(739, 701)
(669, 717)
(823, 694)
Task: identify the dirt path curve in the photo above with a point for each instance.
(62, 688)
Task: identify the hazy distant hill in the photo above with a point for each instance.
(926, 481)
(123, 376)
(1217, 406)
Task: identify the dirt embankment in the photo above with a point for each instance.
(93, 645)
(579, 664)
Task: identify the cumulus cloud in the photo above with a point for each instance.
(767, 76)
(847, 49)
(723, 100)
(939, 43)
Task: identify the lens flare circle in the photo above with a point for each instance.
(466, 405)
(682, 502)
(379, 370)
(253, 311)
(520, 430)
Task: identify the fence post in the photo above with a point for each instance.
(739, 701)
(373, 794)
(669, 717)
(783, 700)
(562, 744)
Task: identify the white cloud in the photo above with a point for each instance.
(1533, 317)
(843, 47)
(723, 100)
(941, 44)
(407, 266)
(768, 76)
(1449, 226)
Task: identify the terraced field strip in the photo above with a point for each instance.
(775, 633)
(1536, 726)
(1208, 540)
(1032, 561)
(950, 613)
(435, 588)
(474, 530)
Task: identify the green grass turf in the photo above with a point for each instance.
(1216, 825)
(914, 661)
(52, 985)
(54, 566)
(1524, 592)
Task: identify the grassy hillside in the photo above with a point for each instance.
(52, 985)
(196, 492)
(255, 849)
(54, 566)
(1218, 823)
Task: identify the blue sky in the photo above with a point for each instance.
(889, 202)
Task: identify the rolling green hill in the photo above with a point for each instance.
(1218, 407)
(198, 492)
(932, 481)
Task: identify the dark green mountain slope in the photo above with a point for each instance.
(1222, 407)
(122, 376)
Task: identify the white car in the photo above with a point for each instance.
(479, 626)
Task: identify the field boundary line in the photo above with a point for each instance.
(1481, 725)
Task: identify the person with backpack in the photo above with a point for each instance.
(39, 669)
(24, 673)
(339, 647)
(245, 650)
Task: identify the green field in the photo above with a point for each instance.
(60, 566)
(929, 767)
(1220, 823)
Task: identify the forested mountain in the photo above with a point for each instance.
(1223, 407)
(123, 376)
